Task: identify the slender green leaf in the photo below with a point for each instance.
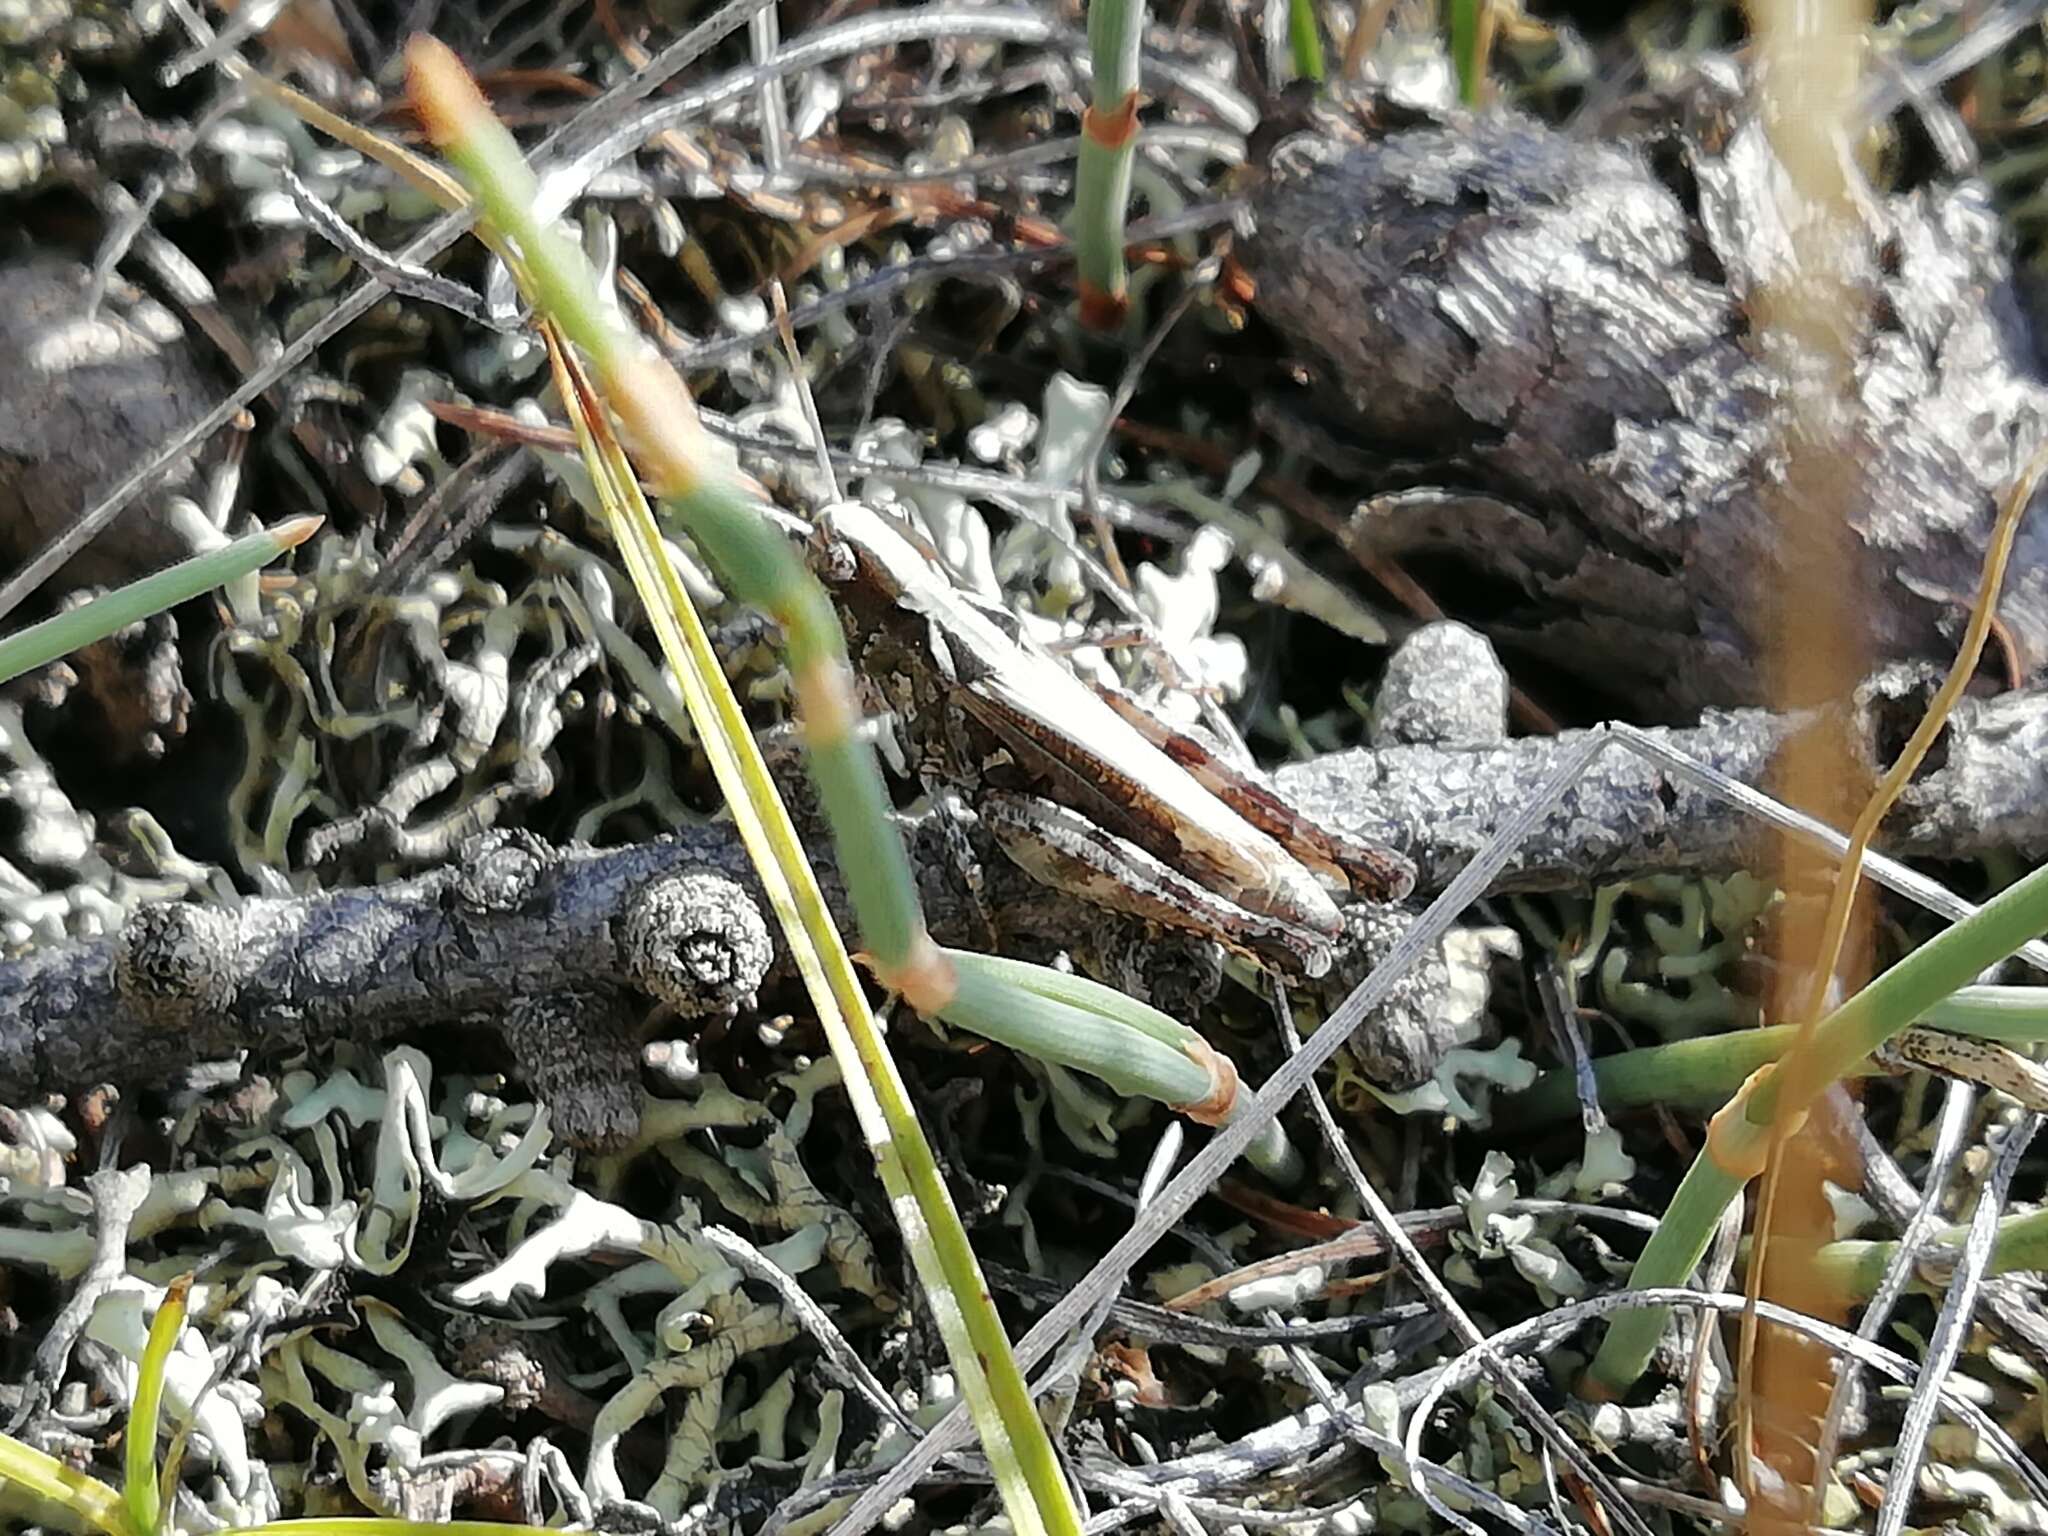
(1468, 48)
(41, 644)
(139, 1480)
(1305, 39)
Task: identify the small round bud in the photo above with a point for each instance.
(174, 963)
(1444, 688)
(695, 942)
(500, 870)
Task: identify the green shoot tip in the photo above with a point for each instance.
(294, 531)
(443, 92)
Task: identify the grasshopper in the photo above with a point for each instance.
(1084, 787)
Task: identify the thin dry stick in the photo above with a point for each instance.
(1957, 1103)
(1387, 1226)
(1368, 24)
(1950, 1331)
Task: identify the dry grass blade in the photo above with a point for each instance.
(1950, 1329)
(1951, 1126)
(655, 408)
(943, 1258)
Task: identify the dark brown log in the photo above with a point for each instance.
(1545, 344)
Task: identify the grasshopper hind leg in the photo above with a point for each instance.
(1062, 849)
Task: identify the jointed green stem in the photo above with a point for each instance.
(763, 570)
(1703, 1073)
(1020, 1454)
(1906, 992)
(1854, 1268)
(989, 1002)
(1698, 1074)
(1109, 136)
(655, 410)
(754, 558)
(2018, 1015)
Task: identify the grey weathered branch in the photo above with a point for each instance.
(1986, 789)
(562, 953)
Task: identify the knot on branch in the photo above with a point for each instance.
(695, 942)
(576, 1049)
(499, 871)
(174, 964)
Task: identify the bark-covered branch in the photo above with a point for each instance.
(1986, 788)
(562, 953)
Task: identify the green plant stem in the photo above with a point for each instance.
(1060, 1017)
(1696, 1074)
(1305, 39)
(1074, 1034)
(754, 558)
(1837, 1045)
(940, 1253)
(1674, 1249)
(58, 636)
(1701, 1074)
(2016, 1015)
(1109, 138)
(762, 570)
(1468, 48)
(651, 402)
(1855, 1268)
(139, 1472)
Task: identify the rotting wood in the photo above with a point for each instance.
(1545, 343)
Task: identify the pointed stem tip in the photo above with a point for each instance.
(294, 531)
(442, 91)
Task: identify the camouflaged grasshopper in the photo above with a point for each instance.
(1086, 789)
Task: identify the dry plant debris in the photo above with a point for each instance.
(447, 1041)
